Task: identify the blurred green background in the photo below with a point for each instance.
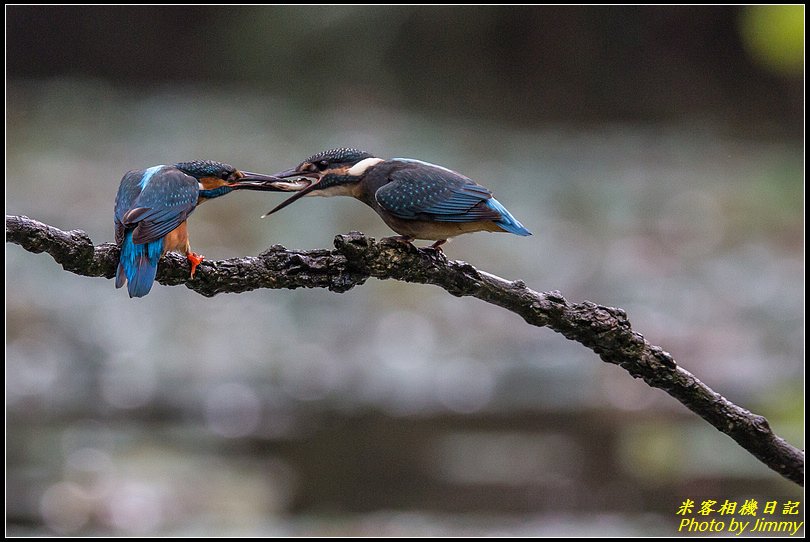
(656, 154)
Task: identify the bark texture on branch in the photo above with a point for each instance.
(356, 257)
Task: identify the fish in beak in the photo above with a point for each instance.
(301, 182)
(270, 183)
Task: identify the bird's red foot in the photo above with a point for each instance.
(195, 260)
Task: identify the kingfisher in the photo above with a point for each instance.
(153, 204)
(418, 200)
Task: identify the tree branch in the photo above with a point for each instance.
(605, 330)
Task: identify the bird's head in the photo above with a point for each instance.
(217, 179)
(328, 173)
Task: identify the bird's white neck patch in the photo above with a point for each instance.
(360, 167)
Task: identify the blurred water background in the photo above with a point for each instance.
(656, 154)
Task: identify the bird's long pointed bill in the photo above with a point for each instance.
(300, 194)
(310, 179)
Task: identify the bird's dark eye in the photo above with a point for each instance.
(225, 175)
(323, 164)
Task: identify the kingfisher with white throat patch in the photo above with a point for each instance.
(418, 200)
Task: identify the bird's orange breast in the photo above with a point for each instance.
(177, 239)
(434, 231)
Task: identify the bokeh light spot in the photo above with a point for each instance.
(232, 410)
(774, 35)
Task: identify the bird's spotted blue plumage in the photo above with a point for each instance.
(424, 164)
(205, 168)
(150, 204)
(339, 156)
(422, 191)
(416, 199)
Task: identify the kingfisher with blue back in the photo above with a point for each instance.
(153, 204)
(418, 200)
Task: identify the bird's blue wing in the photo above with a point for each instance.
(162, 205)
(422, 191)
(128, 192)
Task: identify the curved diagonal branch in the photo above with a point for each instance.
(605, 330)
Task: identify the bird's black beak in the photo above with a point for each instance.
(290, 173)
(307, 182)
(270, 183)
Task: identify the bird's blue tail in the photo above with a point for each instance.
(138, 265)
(507, 222)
